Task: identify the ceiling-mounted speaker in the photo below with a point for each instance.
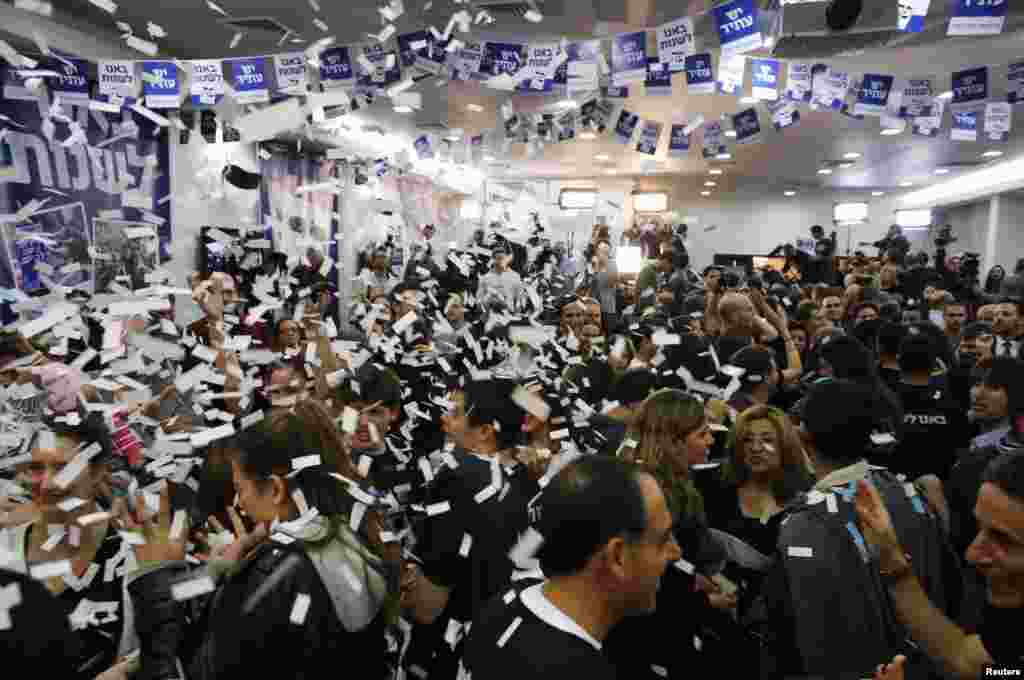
(841, 15)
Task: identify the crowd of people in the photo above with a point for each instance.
(519, 462)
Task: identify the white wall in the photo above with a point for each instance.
(1010, 239)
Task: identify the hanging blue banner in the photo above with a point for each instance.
(977, 17)
(160, 84)
(502, 58)
(625, 126)
(1015, 82)
(765, 79)
(73, 84)
(250, 80)
(336, 67)
(738, 31)
(873, 95)
(965, 127)
(798, 82)
(970, 89)
(386, 70)
(678, 142)
(714, 143)
(747, 126)
(419, 49)
(629, 57)
(912, 14)
(659, 78)
(699, 77)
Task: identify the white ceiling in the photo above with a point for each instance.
(790, 158)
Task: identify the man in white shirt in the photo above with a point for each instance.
(501, 283)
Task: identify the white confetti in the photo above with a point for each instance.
(235, 40)
(186, 590)
(300, 608)
(216, 8)
(105, 5)
(45, 570)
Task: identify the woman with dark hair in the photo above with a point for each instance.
(317, 591)
(994, 280)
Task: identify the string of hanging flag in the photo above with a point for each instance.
(390, 64)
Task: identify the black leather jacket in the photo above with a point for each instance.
(244, 628)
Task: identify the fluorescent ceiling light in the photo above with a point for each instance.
(906, 184)
(602, 157)
(845, 166)
(475, 108)
(567, 104)
(991, 179)
(730, 133)
(710, 183)
(947, 95)
(748, 100)
(470, 210)
(992, 154)
(789, 193)
(941, 171)
(724, 157)
(850, 213)
(402, 108)
(653, 201)
(825, 171)
(577, 199)
(705, 193)
(914, 218)
(888, 132)
(878, 193)
(851, 155)
(488, 158)
(715, 171)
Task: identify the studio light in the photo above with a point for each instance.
(715, 171)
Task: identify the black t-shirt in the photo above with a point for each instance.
(39, 635)
(934, 427)
(1000, 634)
(509, 640)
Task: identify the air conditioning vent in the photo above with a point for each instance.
(260, 24)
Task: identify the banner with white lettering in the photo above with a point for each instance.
(764, 79)
(998, 119)
(542, 60)
(421, 53)
(424, 147)
(679, 141)
(629, 57)
(502, 58)
(466, 61)
(290, 70)
(207, 87)
(578, 73)
(965, 127)
(977, 17)
(873, 95)
(714, 141)
(250, 79)
(616, 92)
(912, 14)
(970, 90)
(336, 68)
(625, 126)
(784, 113)
(699, 78)
(929, 124)
(117, 79)
(798, 82)
(731, 72)
(384, 69)
(160, 84)
(659, 78)
(747, 126)
(675, 43)
(72, 85)
(650, 135)
(738, 31)
(917, 97)
(1015, 82)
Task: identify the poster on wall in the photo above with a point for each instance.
(798, 82)
(675, 43)
(738, 31)
(699, 78)
(629, 57)
(124, 252)
(121, 171)
(54, 243)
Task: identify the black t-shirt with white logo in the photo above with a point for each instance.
(934, 427)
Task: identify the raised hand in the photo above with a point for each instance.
(160, 545)
(244, 541)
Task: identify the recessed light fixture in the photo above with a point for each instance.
(748, 100)
(888, 132)
(475, 108)
(705, 193)
(730, 133)
(715, 171)
(602, 157)
(724, 157)
(789, 193)
(878, 193)
(402, 108)
(587, 135)
(845, 166)
(905, 184)
(941, 171)
(851, 155)
(948, 94)
(992, 154)
(711, 183)
(825, 171)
